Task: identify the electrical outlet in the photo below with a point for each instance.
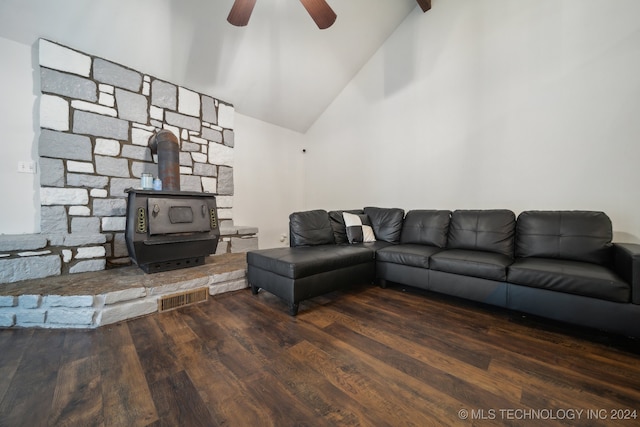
(27, 167)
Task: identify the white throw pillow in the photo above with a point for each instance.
(358, 228)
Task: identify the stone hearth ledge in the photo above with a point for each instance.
(35, 256)
(94, 299)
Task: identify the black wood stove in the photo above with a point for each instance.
(168, 230)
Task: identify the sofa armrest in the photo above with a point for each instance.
(626, 262)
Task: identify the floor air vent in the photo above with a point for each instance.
(170, 302)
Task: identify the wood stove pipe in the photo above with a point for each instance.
(165, 144)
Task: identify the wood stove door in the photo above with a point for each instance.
(178, 215)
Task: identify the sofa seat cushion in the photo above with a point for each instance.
(573, 277)
(409, 254)
(299, 262)
(486, 265)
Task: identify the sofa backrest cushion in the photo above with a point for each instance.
(310, 228)
(483, 230)
(426, 227)
(337, 224)
(573, 235)
(386, 223)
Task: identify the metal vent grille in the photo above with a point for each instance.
(212, 217)
(170, 302)
(141, 221)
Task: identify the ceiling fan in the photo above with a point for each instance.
(320, 12)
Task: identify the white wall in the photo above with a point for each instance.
(20, 211)
(491, 104)
(268, 178)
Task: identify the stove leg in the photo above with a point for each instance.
(254, 289)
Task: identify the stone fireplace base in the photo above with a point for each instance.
(90, 300)
(35, 256)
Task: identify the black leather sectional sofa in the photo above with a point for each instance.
(560, 265)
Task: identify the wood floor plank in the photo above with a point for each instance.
(272, 324)
(203, 325)
(365, 356)
(279, 406)
(563, 380)
(565, 369)
(79, 345)
(240, 356)
(13, 344)
(470, 350)
(409, 304)
(234, 361)
(226, 397)
(297, 377)
(36, 374)
(178, 402)
(457, 387)
(308, 381)
(425, 399)
(125, 392)
(370, 395)
(279, 403)
(542, 349)
(155, 350)
(541, 397)
(77, 399)
(505, 337)
(227, 349)
(310, 385)
(174, 326)
(346, 370)
(422, 350)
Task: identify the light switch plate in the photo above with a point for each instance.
(27, 167)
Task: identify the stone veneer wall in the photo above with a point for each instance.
(96, 118)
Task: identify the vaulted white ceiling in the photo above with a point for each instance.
(279, 69)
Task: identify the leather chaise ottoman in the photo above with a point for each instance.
(312, 266)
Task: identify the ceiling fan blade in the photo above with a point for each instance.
(425, 4)
(241, 12)
(321, 12)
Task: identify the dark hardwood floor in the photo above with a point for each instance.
(363, 357)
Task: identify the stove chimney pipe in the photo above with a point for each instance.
(165, 144)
